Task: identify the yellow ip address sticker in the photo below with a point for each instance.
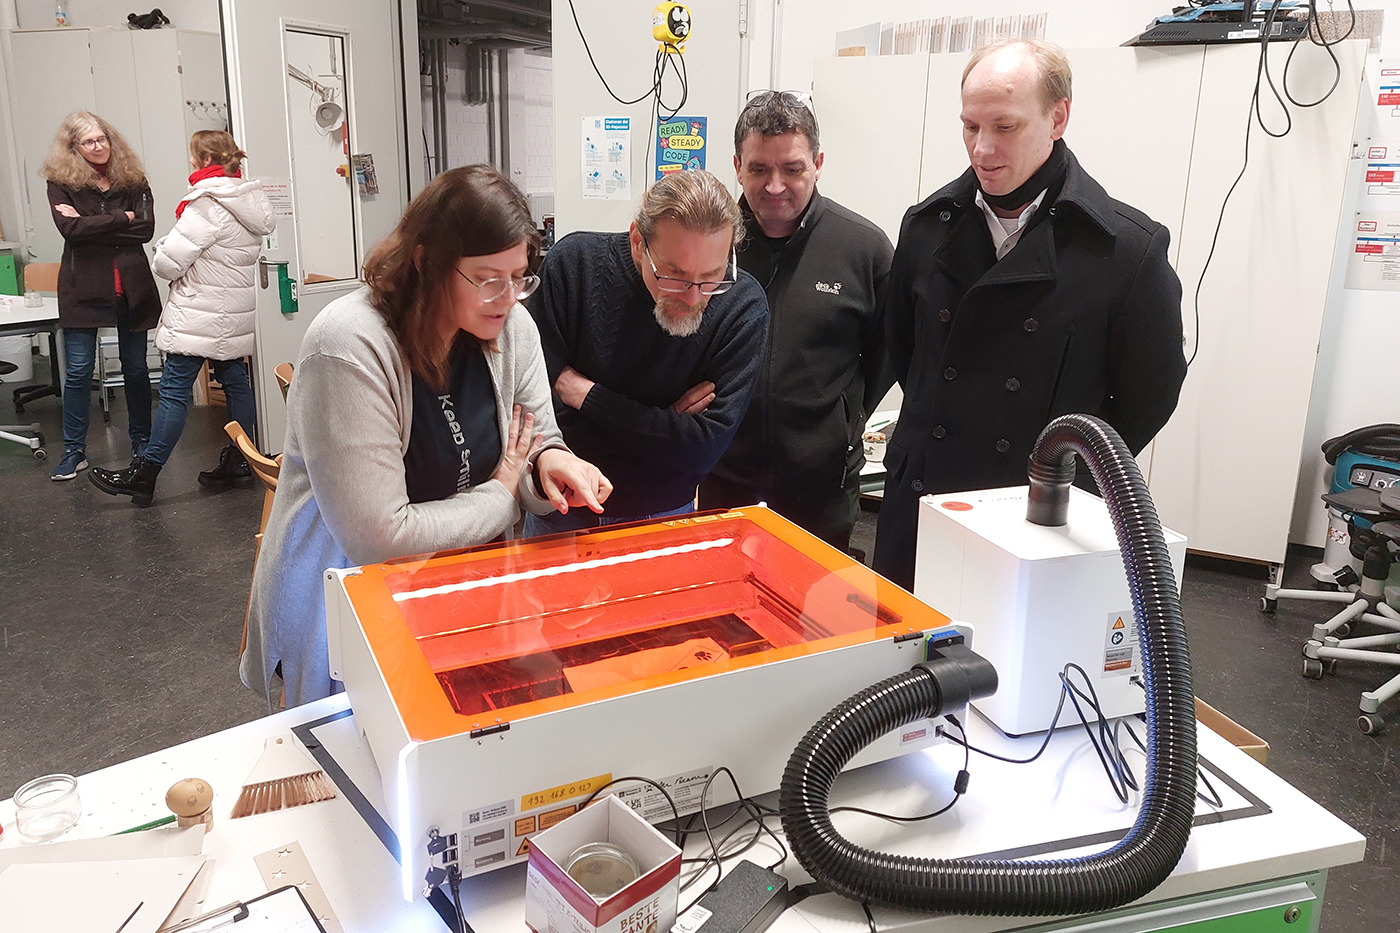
(544, 798)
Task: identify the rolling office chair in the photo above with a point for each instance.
(27, 435)
(1328, 644)
(1365, 504)
(39, 277)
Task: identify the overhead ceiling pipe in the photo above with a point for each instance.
(475, 32)
(506, 6)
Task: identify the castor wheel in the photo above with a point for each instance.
(40, 438)
(1342, 631)
(1329, 666)
(1370, 724)
(1312, 669)
(1268, 605)
(40, 453)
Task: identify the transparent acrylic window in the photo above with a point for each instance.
(504, 626)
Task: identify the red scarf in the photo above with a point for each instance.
(209, 171)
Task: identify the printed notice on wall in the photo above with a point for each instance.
(279, 195)
(680, 145)
(607, 158)
(1375, 254)
(1382, 169)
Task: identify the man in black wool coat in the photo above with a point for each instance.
(1019, 292)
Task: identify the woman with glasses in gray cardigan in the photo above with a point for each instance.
(419, 420)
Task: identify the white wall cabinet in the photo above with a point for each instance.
(157, 87)
(1163, 130)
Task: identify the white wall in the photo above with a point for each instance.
(619, 35)
(806, 29)
(532, 121)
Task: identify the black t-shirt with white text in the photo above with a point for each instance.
(455, 442)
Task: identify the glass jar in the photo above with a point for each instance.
(47, 807)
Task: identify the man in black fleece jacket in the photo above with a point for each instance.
(653, 341)
(823, 268)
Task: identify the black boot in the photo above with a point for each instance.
(232, 466)
(137, 481)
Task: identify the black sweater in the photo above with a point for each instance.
(595, 314)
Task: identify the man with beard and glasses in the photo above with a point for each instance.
(653, 339)
(1019, 292)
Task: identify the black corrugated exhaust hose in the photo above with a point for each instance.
(1152, 847)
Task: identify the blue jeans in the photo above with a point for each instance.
(176, 380)
(80, 346)
(583, 517)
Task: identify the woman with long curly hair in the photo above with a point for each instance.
(102, 205)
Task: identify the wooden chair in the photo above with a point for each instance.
(41, 277)
(283, 372)
(266, 470)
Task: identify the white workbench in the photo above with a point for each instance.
(1062, 804)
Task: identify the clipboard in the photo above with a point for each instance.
(283, 910)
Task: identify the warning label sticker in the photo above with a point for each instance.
(554, 817)
(1120, 656)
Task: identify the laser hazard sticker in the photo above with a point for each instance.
(1120, 650)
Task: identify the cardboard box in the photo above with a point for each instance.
(1234, 733)
(555, 903)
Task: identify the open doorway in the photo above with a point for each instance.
(487, 81)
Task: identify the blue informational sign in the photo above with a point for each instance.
(680, 145)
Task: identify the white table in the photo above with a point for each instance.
(1270, 833)
(16, 319)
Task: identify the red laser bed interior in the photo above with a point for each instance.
(500, 627)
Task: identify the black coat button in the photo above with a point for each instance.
(1013, 384)
(945, 315)
(1003, 446)
(1030, 325)
(917, 485)
(950, 374)
(945, 216)
(939, 432)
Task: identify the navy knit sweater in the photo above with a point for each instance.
(595, 314)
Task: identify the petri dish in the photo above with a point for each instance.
(602, 869)
(47, 807)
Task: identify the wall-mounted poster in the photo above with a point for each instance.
(680, 145)
(607, 158)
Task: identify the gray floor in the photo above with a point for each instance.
(121, 625)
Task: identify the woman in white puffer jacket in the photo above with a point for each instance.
(210, 258)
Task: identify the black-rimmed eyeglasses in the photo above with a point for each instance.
(492, 290)
(675, 286)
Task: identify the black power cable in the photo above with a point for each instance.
(665, 56)
(1314, 35)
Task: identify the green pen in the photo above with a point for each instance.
(151, 825)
